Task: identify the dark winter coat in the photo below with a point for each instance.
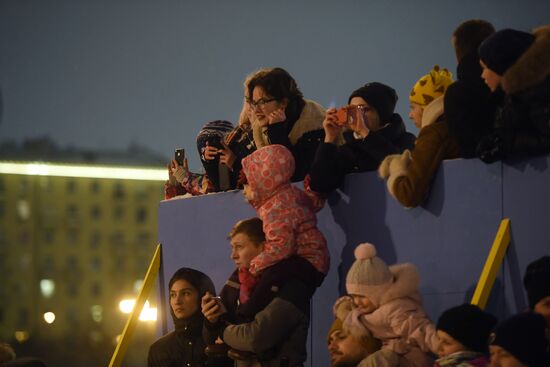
(182, 347)
(470, 106)
(522, 122)
(279, 332)
(301, 133)
(333, 162)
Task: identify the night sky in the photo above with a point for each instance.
(105, 73)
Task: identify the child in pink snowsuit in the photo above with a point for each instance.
(289, 221)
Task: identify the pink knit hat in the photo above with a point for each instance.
(369, 275)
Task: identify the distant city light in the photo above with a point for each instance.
(49, 317)
(126, 305)
(147, 313)
(62, 170)
(47, 287)
(137, 285)
(21, 336)
(97, 313)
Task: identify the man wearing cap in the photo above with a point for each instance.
(378, 133)
(520, 341)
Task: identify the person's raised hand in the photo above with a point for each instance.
(332, 129)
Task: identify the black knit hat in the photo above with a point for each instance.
(537, 280)
(502, 49)
(469, 325)
(523, 336)
(380, 97)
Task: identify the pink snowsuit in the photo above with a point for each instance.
(288, 213)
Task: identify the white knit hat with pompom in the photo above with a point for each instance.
(369, 275)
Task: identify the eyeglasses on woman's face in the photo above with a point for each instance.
(260, 103)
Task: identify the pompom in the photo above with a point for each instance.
(365, 251)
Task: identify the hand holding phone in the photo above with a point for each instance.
(179, 156)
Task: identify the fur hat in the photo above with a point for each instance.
(523, 336)
(380, 97)
(369, 275)
(537, 280)
(469, 325)
(503, 48)
(431, 86)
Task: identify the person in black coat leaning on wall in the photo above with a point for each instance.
(368, 141)
(185, 346)
(469, 104)
(518, 63)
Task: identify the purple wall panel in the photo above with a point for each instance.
(448, 237)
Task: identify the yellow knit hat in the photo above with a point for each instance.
(431, 86)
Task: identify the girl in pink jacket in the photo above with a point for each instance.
(288, 215)
(384, 302)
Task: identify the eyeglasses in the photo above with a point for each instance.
(260, 103)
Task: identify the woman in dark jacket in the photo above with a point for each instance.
(519, 64)
(368, 141)
(281, 115)
(184, 346)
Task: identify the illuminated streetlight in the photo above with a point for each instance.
(147, 313)
(49, 317)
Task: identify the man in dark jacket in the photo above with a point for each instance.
(368, 140)
(469, 105)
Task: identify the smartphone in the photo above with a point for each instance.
(179, 156)
(346, 115)
(220, 303)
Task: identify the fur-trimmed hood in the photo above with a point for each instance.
(405, 283)
(310, 119)
(532, 67)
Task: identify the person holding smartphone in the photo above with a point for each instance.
(371, 132)
(212, 151)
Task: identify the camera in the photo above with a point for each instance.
(214, 141)
(179, 156)
(347, 115)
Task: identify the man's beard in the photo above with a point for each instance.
(347, 361)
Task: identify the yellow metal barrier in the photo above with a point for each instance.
(492, 265)
(130, 327)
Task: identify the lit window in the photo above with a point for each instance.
(97, 313)
(47, 287)
(23, 209)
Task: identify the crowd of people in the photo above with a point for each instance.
(498, 108)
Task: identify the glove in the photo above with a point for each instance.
(490, 148)
(180, 174)
(384, 168)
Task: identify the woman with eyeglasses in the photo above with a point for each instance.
(281, 115)
(372, 132)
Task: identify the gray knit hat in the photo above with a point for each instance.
(369, 275)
